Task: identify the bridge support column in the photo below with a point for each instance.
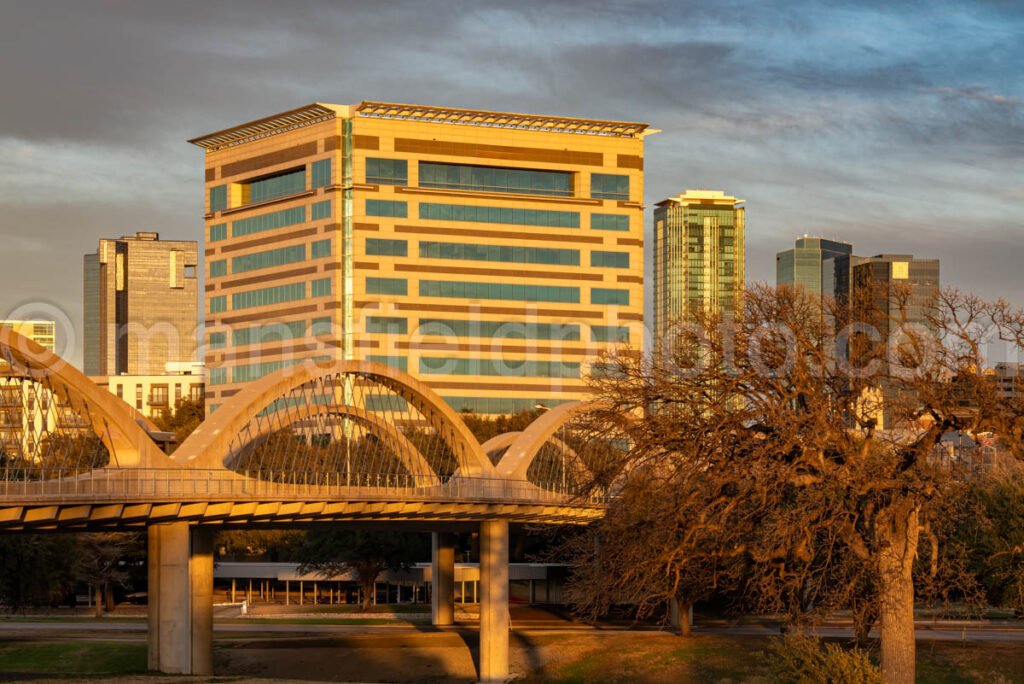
(442, 595)
(494, 617)
(180, 567)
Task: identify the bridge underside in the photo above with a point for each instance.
(92, 516)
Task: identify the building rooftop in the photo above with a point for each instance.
(688, 197)
(319, 111)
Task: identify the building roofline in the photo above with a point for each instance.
(688, 197)
(320, 111)
(270, 125)
(493, 119)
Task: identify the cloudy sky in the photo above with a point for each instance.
(898, 126)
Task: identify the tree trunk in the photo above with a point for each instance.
(368, 587)
(98, 603)
(898, 535)
(108, 596)
(685, 628)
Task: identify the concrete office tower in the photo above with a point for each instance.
(807, 264)
(490, 254)
(140, 305)
(698, 256)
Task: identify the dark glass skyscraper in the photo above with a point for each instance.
(806, 264)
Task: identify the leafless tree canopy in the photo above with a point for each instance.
(799, 453)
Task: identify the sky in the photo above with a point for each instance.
(897, 126)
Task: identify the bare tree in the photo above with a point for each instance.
(801, 463)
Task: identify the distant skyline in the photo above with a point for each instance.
(898, 127)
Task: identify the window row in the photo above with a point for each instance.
(609, 222)
(387, 286)
(505, 215)
(320, 210)
(609, 186)
(387, 208)
(280, 185)
(505, 405)
(271, 221)
(499, 329)
(272, 332)
(387, 171)
(601, 259)
(521, 255)
(506, 291)
(495, 179)
(385, 247)
(268, 295)
(439, 365)
(268, 259)
(399, 362)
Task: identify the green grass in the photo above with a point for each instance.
(73, 657)
(68, 618)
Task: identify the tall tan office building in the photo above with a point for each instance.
(698, 256)
(490, 254)
(140, 305)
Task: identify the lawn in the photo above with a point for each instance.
(640, 659)
(72, 657)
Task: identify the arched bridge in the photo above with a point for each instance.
(313, 442)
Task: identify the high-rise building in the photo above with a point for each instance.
(491, 254)
(140, 305)
(883, 289)
(698, 256)
(806, 264)
(874, 289)
(24, 405)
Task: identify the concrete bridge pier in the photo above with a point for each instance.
(442, 595)
(494, 615)
(180, 565)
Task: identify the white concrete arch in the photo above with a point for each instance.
(527, 444)
(120, 427)
(209, 446)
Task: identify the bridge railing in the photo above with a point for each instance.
(192, 484)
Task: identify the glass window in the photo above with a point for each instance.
(272, 221)
(387, 286)
(218, 304)
(255, 371)
(320, 248)
(272, 187)
(387, 171)
(320, 210)
(218, 340)
(320, 326)
(509, 291)
(268, 259)
(601, 295)
(609, 333)
(219, 232)
(321, 173)
(444, 365)
(218, 268)
(500, 329)
(495, 179)
(218, 198)
(600, 259)
(271, 332)
(609, 222)
(320, 287)
(505, 215)
(218, 376)
(387, 325)
(523, 255)
(386, 208)
(495, 405)
(609, 186)
(384, 247)
(268, 295)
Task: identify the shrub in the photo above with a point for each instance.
(799, 659)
